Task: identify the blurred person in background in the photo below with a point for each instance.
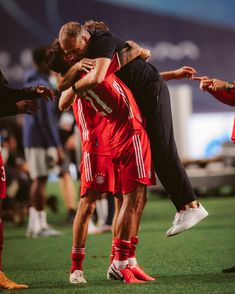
(43, 148)
(12, 102)
(15, 205)
(224, 92)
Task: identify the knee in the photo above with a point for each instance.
(86, 208)
(136, 205)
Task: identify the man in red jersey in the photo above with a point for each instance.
(173, 74)
(225, 93)
(130, 152)
(95, 136)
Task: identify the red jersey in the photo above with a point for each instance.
(116, 117)
(92, 126)
(113, 100)
(226, 98)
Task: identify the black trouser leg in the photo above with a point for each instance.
(167, 164)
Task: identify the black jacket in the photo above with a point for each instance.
(9, 96)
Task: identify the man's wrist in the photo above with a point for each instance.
(75, 90)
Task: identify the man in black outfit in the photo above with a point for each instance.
(152, 97)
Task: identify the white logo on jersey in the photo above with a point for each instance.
(100, 177)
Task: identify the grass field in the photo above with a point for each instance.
(188, 263)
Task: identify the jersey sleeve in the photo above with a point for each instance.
(224, 96)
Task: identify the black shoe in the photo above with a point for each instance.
(229, 270)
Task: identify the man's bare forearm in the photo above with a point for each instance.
(68, 79)
(129, 53)
(66, 99)
(168, 75)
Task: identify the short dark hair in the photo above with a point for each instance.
(55, 57)
(96, 25)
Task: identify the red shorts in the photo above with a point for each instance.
(97, 173)
(2, 179)
(133, 163)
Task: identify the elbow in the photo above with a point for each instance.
(98, 79)
(62, 106)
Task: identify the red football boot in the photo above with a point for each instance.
(140, 274)
(125, 275)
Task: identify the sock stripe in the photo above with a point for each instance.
(77, 250)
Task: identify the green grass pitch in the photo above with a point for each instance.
(188, 263)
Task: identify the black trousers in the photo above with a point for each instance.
(168, 166)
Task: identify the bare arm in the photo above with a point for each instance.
(66, 100)
(125, 55)
(133, 50)
(70, 77)
(177, 74)
(129, 53)
(90, 81)
(95, 76)
(217, 88)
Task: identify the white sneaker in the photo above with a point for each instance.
(92, 229)
(47, 232)
(34, 226)
(77, 277)
(185, 219)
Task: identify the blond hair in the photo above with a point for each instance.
(70, 30)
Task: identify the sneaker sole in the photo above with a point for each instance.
(204, 215)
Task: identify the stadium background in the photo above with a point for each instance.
(177, 33)
(198, 33)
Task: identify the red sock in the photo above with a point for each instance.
(112, 252)
(77, 256)
(132, 258)
(122, 251)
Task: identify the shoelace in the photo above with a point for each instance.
(189, 210)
